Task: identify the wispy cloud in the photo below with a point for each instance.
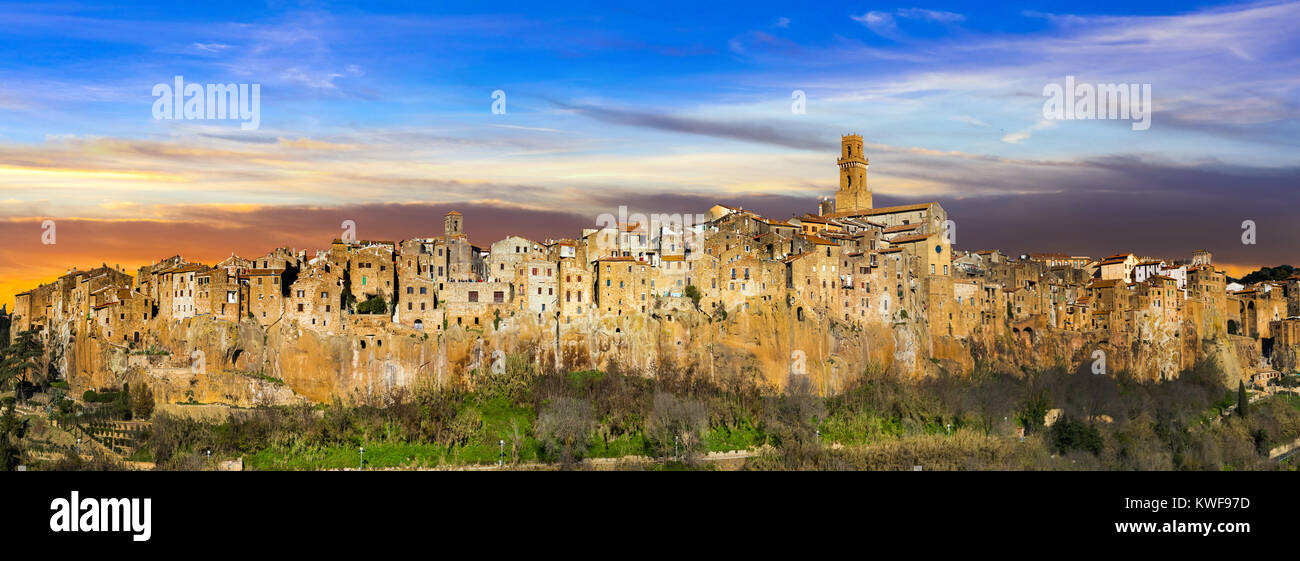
(1025, 133)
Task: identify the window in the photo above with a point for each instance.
(473, 296)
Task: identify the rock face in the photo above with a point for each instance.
(207, 360)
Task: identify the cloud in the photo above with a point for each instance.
(774, 134)
(930, 15)
(1023, 134)
(885, 24)
(881, 23)
(211, 47)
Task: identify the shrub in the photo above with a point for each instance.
(1068, 434)
(373, 305)
(564, 427)
(142, 402)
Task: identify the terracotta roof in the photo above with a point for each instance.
(263, 272)
(877, 211)
(818, 240)
(902, 228)
(911, 238)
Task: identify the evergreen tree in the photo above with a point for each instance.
(1242, 402)
(20, 358)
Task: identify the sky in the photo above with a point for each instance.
(383, 114)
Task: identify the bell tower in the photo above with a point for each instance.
(451, 224)
(853, 195)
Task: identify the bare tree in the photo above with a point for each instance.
(564, 428)
(678, 426)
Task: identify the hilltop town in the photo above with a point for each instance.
(822, 294)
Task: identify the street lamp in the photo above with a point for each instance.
(362, 451)
(502, 460)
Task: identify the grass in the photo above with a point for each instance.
(742, 437)
(852, 427)
(377, 455)
(498, 416)
(623, 445)
(142, 455)
(1290, 399)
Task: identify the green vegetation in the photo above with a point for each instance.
(153, 350)
(1278, 273)
(674, 416)
(259, 375)
(1068, 435)
(374, 304)
(693, 292)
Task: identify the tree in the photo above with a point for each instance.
(564, 428)
(10, 455)
(693, 292)
(678, 425)
(142, 401)
(1278, 273)
(122, 402)
(1068, 434)
(20, 358)
(374, 304)
(1033, 412)
(6, 320)
(1242, 402)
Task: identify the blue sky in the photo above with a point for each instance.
(666, 106)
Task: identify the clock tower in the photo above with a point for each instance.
(853, 195)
